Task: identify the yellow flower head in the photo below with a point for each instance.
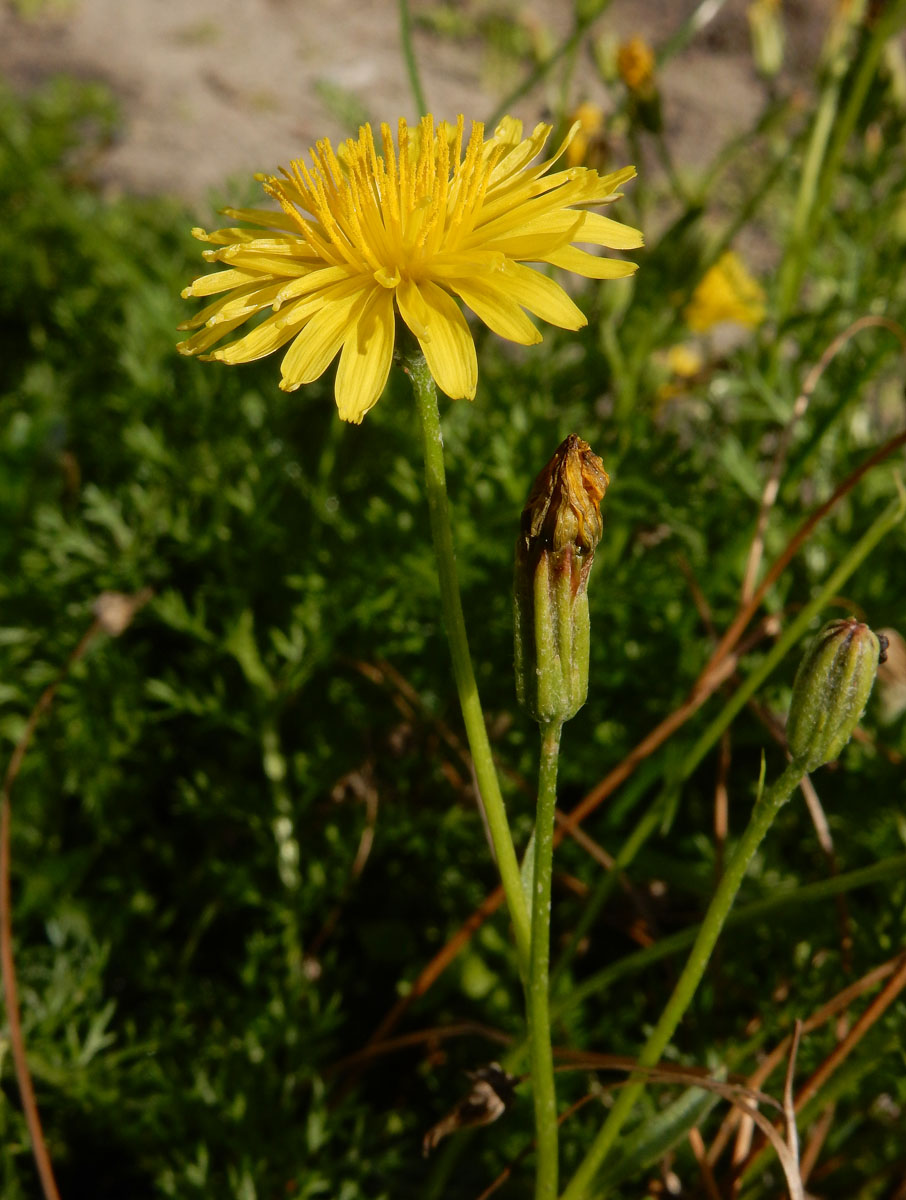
(363, 235)
(727, 292)
(635, 62)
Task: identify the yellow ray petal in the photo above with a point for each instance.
(287, 266)
(264, 339)
(542, 297)
(218, 281)
(312, 282)
(365, 358)
(242, 304)
(211, 312)
(536, 239)
(258, 216)
(317, 345)
(511, 213)
(522, 152)
(443, 335)
(490, 302)
(592, 266)
(602, 189)
(602, 231)
(208, 336)
(224, 237)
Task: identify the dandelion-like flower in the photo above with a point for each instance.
(726, 292)
(362, 236)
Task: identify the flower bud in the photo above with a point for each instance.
(636, 65)
(561, 526)
(830, 691)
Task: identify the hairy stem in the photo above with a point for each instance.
(543, 1089)
(451, 607)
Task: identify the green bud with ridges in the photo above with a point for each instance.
(831, 690)
(561, 526)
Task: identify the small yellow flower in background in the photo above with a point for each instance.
(635, 62)
(362, 235)
(683, 365)
(727, 292)
(684, 361)
(587, 142)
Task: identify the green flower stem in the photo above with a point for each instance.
(415, 82)
(541, 1056)
(766, 809)
(451, 607)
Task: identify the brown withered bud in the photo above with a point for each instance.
(561, 526)
(564, 505)
(490, 1096)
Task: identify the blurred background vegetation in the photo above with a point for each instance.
(204, 927)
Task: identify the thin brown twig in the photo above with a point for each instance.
(508, 1169)
(362, 786)
(841, 1051)
(802, 534)
(837, 1004)
(826, 842)
(817, 1138)
(697, 1143)
(410, 703)
(438, 1033)
(789, 1111)
(113, 613)
(722, 803)
(772, 486)
(738, 1094)
(721, 795)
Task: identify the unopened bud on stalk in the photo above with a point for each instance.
(830, 691)
(561, 526)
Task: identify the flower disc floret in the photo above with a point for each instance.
(361, 236)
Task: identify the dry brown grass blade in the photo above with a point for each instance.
(843, 1049)
(802, 534)
(507, 1171)
(361, 784)
(836, 1005)
(772, 486)
(817, 1138)
(826, 842)
(420, 1037)
(839, 1054)
(405, 697)
(113, 614)
(744, 1098)
(439, 963)
(697, 1145)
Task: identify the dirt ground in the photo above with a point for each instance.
(216, 88)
